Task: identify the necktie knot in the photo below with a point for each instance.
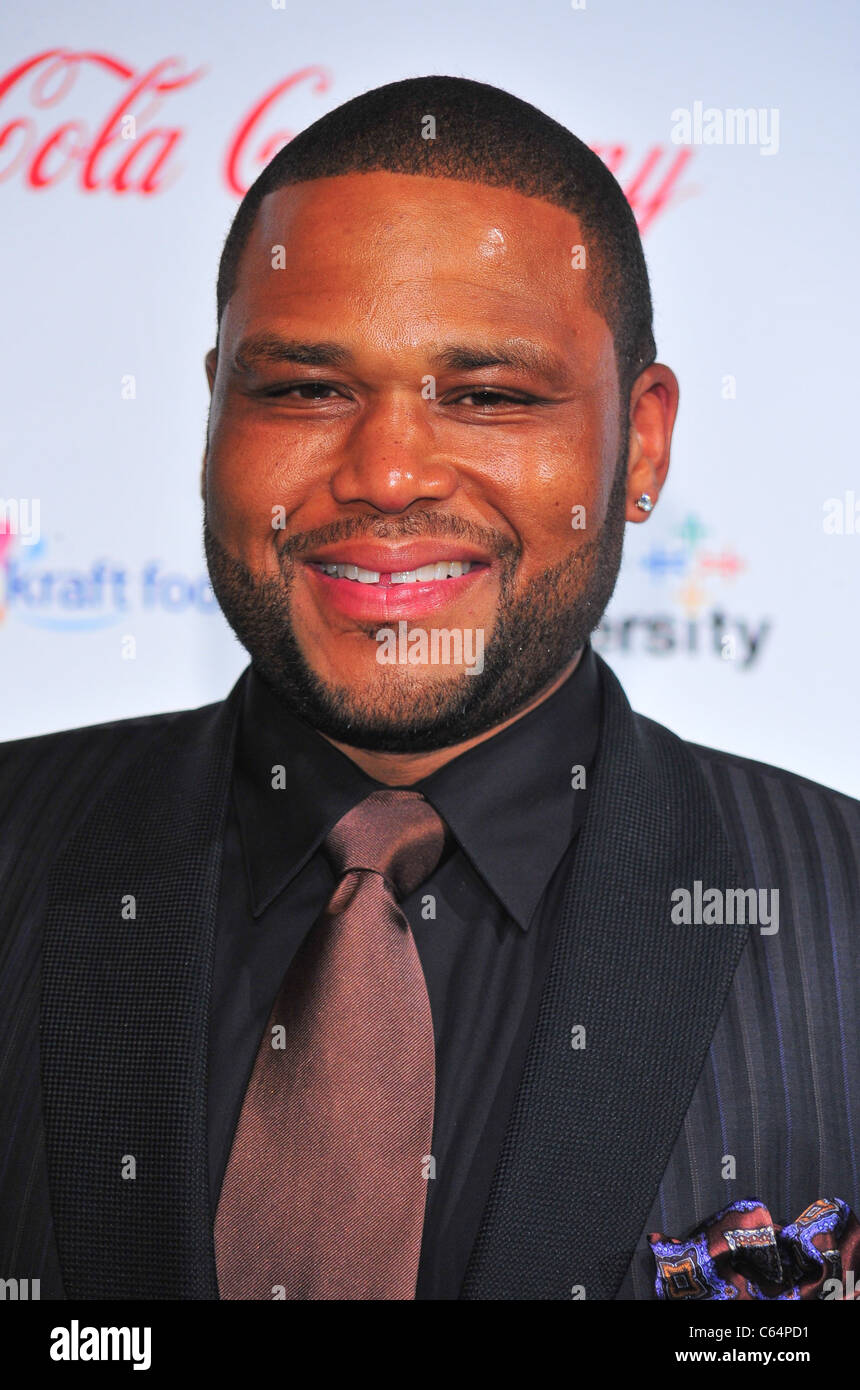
(393, 833)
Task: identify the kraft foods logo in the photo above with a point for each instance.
(63, 598)
(698, 616)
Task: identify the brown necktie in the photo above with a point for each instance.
(324, 1192)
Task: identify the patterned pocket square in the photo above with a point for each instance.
(742, 1253)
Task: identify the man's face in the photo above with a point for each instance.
(358, 406)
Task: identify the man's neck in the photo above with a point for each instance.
(404, 769)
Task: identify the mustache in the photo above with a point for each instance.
(428, 525)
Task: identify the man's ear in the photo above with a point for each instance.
(654, 406)
(211, 365)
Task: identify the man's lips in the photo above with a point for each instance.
(395, 559)
(386, 600)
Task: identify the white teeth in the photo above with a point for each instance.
(439, 569)
(351, 572)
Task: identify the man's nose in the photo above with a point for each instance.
(392, 457)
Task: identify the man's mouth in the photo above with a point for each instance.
(433, 571)
(367, 580)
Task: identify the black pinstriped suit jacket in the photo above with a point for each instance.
(703, 1043)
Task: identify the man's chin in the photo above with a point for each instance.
(403, 712)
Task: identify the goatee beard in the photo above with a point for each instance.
(537, 633)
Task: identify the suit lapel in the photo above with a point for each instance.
(593, 1127)
(124, 1020)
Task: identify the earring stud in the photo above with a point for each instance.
(644, 503)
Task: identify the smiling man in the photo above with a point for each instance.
(409, 399)
(421, 966)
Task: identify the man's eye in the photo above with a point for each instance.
(487, 399)
(305, 390)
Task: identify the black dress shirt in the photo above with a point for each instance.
(496, 895)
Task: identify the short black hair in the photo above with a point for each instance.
(482, 135)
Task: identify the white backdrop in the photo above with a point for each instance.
(734, 621)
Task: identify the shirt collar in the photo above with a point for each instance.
(508, 801)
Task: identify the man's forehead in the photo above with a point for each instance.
(384, 234)
(498, 218)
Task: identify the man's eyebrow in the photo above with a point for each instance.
(520, 355)
(270, 349)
